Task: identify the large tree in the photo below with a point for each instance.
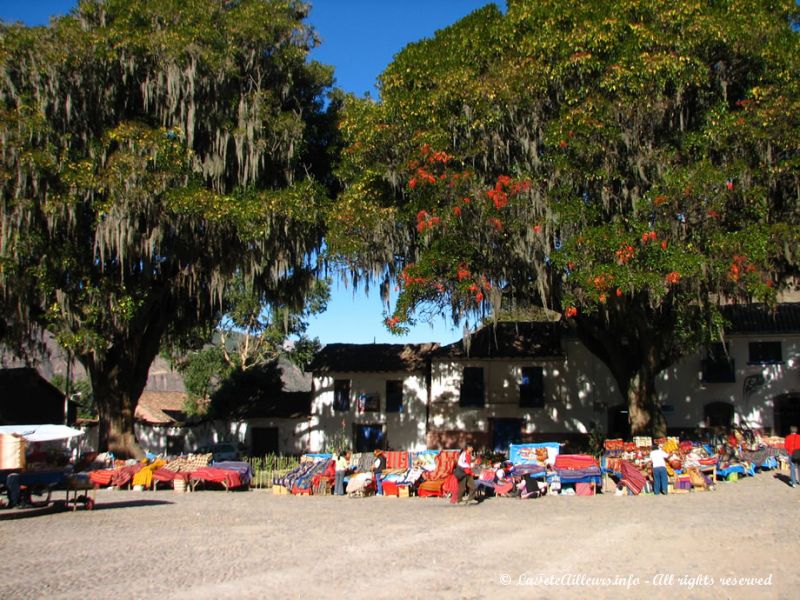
(153, 152)
(630, 164)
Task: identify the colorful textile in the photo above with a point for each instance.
(124, 475)
(244, 469)
(144, 476)
(450, 486)
(585, 475)
(632, 477)
(101, 477)
(532, 470)
(227, 477)
(445, 464)
(575, 461)
(396, 459)
(187, 464)
(431, 488)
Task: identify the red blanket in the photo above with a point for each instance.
(575, 461)
(230, 479)
(632, 477)
(101, 477)
(396, 460)
(445, 464)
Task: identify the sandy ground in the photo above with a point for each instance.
(212, 544)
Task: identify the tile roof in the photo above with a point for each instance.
(508, 340)
(339, 358)
(161, 408)
(756, 318)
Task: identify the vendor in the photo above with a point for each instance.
(378, 467)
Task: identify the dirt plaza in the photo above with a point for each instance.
(736, 542)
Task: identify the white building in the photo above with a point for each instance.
(516, 382)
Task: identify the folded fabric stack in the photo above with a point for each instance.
(577, 468)
(144, 476)
(181, 467)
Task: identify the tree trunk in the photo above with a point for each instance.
(116, 405)
(119, 375)
(634, 357)
(644, 410)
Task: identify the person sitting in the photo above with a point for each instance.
(505, 480)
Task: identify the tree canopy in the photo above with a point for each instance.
(153, 153)
(630, 164)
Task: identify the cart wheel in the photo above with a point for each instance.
(89, 503)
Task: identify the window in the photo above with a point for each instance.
(765, 353)
(394, 396)
(718, 414)
(341, 394)
(531, 387)
(472, 387)
(369, 403)
(718, 367)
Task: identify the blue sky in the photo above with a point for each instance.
(359, 38)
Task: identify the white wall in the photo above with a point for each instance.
(681, 387)
(569, 390)
(404, 430)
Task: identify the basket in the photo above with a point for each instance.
(179, 485)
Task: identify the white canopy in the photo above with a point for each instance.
(42, 433)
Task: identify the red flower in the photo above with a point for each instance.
(729, 184)
(503, 180)
(537, 228)
(466, 200)
(457, 211)
(412, 183)
(479, 297)
(562, 144)
(462, 273)
(673, 277)
(602, 298)
(496, 223)
(499, 197)
(619, 292)
(570, 312)
(664, 244)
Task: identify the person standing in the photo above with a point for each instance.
(463, 473)
(378, 467)
(342, 462)
(792, 445)
(659, 460)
